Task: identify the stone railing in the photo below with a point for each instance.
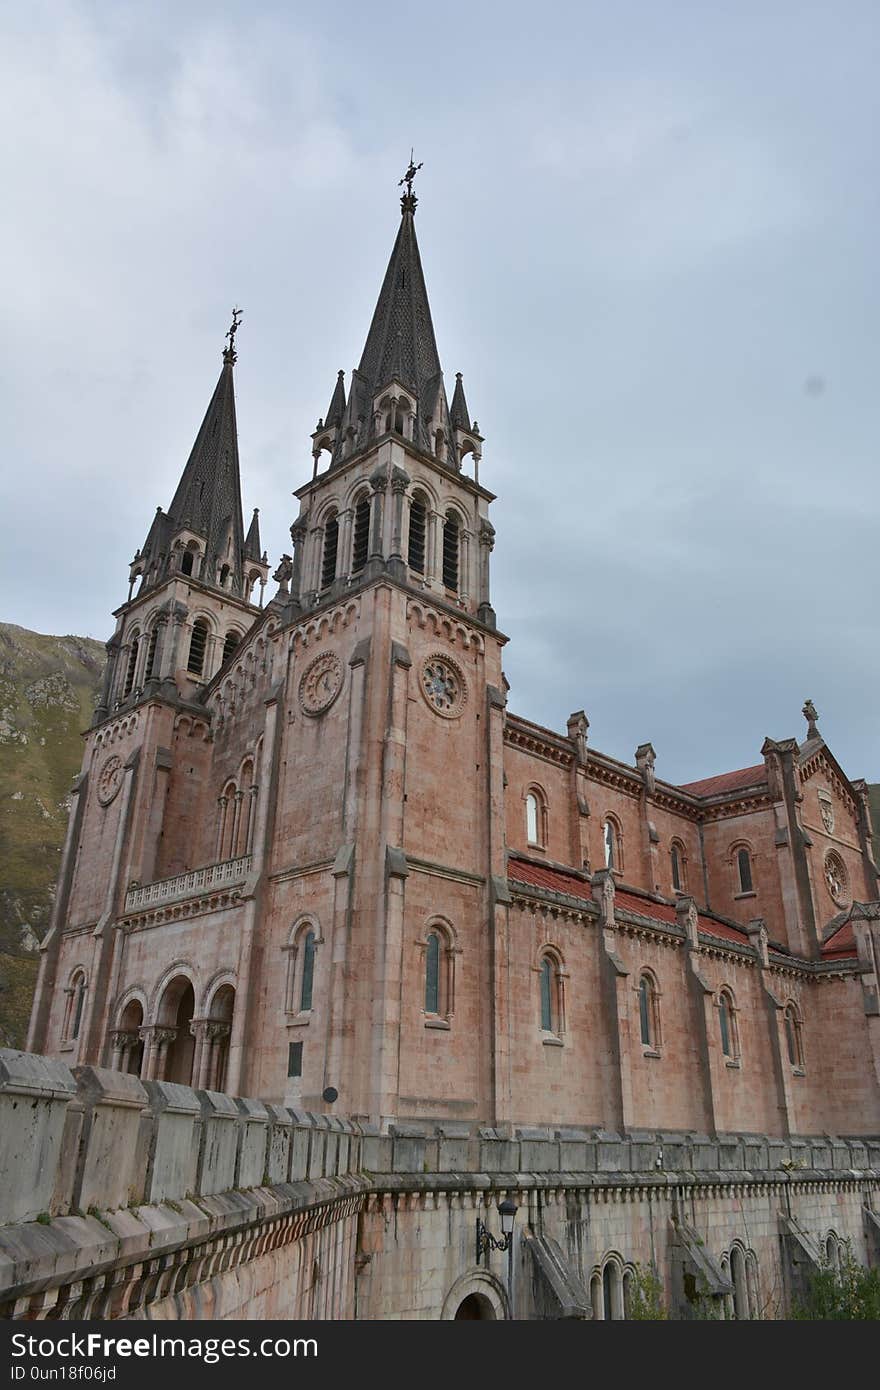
(167, 890)
(114, 1192)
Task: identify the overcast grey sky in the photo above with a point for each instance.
(649, 234)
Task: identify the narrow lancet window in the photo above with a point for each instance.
(308, 972)
(417, 526)
(450, 551)
(361, 547)
(197, 646)
(331, 546)
(432, 975)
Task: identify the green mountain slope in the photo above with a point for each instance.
(48, 688)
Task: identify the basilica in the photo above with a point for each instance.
(316, 856)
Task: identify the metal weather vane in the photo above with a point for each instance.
(229, 354)
(409, 176)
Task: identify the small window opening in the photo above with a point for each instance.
(361, 546)
(744, 864)
(331, 547)
(417, 529)
(186, 562)
(450, 551)
(432, 975)
(197, 646)
(132, 666)
(230, 645)
(308, 972)
(151, 654)
(646, 1009)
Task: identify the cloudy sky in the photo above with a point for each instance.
(649, 233)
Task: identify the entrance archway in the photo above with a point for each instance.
(475, 1307)
(476, 1297)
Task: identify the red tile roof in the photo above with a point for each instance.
(727, 781)
(558, 881)
(554, 880)
(842, 943)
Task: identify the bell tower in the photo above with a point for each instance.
(390, 767)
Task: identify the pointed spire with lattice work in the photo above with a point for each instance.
(207, 500)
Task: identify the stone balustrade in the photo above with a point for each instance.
(190, 884)
(70, 1141)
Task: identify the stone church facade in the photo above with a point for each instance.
(314, 856)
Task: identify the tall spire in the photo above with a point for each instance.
(401, 336)
(207, 501)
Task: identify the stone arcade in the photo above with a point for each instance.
(314, 858)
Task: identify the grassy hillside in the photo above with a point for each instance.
(48, 688)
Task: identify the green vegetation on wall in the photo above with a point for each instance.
(48, 689)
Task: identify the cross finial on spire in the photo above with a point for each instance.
(230, 356)
(811, 714)
(408, 200)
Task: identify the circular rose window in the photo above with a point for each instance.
(837, 879)
(443, 686)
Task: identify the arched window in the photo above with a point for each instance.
(727, 1025)
(197, 645)
(302, 951)
(132, 665)
(361, 543)
(744, 870)
(432, 974)
(230, 644)
(649, 1011)
(793, 1038)
(439, 974)
(151, 653)
(186, 562)
(331, 547)
(308, 972)
(536, 818)
(739, 1279)
(224, 576)
(611, 844)
(418, 522)
(606, 1292)
(676, 856)
(451, 534)
(551, 994)
(547, 995)
(76, 996)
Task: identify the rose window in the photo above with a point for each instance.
(443, 686)
(837, 879)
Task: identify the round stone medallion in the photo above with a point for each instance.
(109, 779)
(321, 683)
(443, 686)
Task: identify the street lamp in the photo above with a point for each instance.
(486, 1241)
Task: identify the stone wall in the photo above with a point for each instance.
(149, 1200)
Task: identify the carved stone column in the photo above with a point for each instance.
(123, 1042)
(485, 611)
(298, 534)
(400, 481)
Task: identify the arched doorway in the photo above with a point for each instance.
(175, 1014)
(476, 1297)
(475, 1307)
